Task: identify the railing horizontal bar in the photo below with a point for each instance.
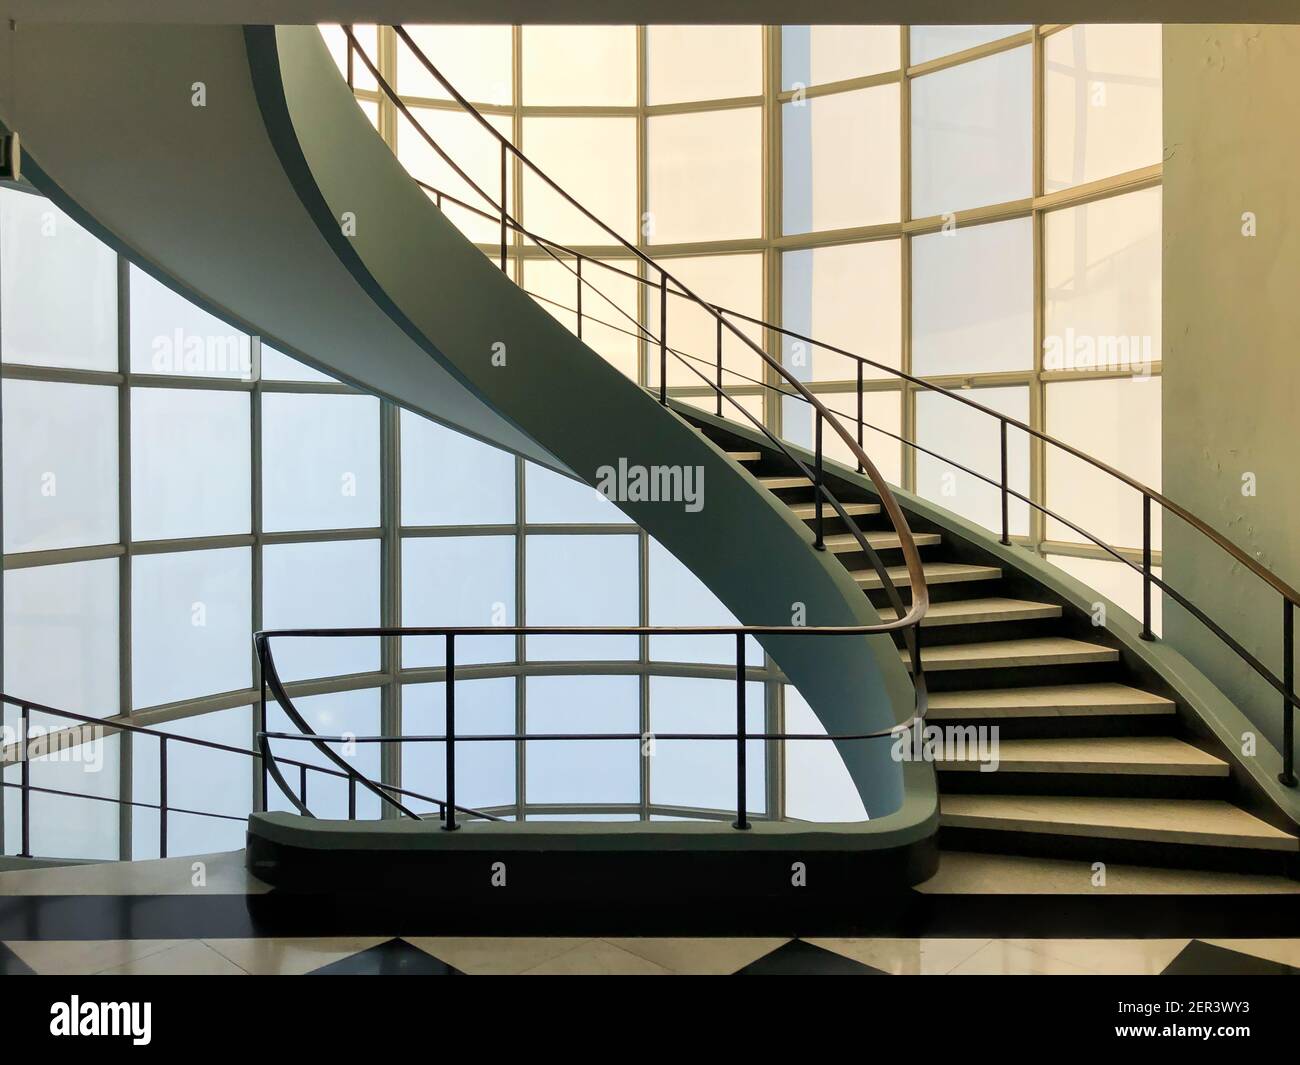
(514, 737)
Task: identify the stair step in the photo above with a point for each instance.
(879, 541)
(996, 654)
(935, 573)
(744, 456)
(775, 484)
(808, 511)
(1054, 700)
(1128, 755)
(980, 611)
(1201, 822)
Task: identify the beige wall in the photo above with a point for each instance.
(1232, 337)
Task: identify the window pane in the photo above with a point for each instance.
(973, 299)
(881, 415)
(817, 55)
(191, 624)
(584, 771)
(322, 586)
(850, 296)
(679, 598)
(337, 43)
(580, 65)
(1103, 102)
(1101, 270)
(60, 465)
(475, 59)
(553, 499)
(703, 63)
(1118, 582)
(169, 335)
(731, 281)
(277, 366)
(58, 287)
(968, 436)
(61, 636)
(458, 580)
(610, 331)
(705, 176)
(1117, 421)
(189, 463)
(563, 149)
(320, 459)
(485, 769)
(972, 134)
(702, 773)
(840, 158)
(934, 42)
(817, 782)
(451, 479)
(582, 580)
(199, 779)
(354, 713)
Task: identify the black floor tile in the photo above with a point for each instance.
(394, 958)
(798, 958)
(1205, 959)
(12, 965)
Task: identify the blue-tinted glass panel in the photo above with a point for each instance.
(485, 769)
(451, 479)
(582, 581)
(563, 772)
(458, 581)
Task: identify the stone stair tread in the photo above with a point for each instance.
(1151, 755)
(1053, 700)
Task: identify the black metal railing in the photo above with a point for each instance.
(450, 737)
(667, 286)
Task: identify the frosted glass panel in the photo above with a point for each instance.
(679, 598)
(191, 624)
(817, 783)
(972, 134)
(702, 773)
(354, 713)
(322, 586)
(320, 459)
(817, 55)
(1116, 581)
(58, 287)
(451, 479)
(580, 65)
(61, 636)
(276, 366)
(973, 299)
(336, 41)
(485, 769)
(60, 465)
(1101, 270)
(189, 463)
(881, 415)
(475, 59)
(564, 149)
(1103, 102)
(582, 580)
(458, 580)
(584, 771)
(610, 305)
(1117, 421)
(970, 437)
(840, 160)
(934, 42)
(731, 281)
(848, 296)
(553, 499)
(169, 335)
(199, 779)
(704, 176)
(703, 62)
(474, 150)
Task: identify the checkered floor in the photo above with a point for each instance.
(745, 957)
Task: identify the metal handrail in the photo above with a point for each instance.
(450, 737)
(26, 788)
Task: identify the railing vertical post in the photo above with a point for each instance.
(719, 365)
(449, 811)
(1146, 633)
(504, 166)
(162, 796)
(352, 798)
(351, 57)
(742, 820)
(860, 419)
(1006, 521)
(261, 724)
(820, 542)
(1287, 776)
(663, 337)
(302, 784)
(579, 304)
(25, 783)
